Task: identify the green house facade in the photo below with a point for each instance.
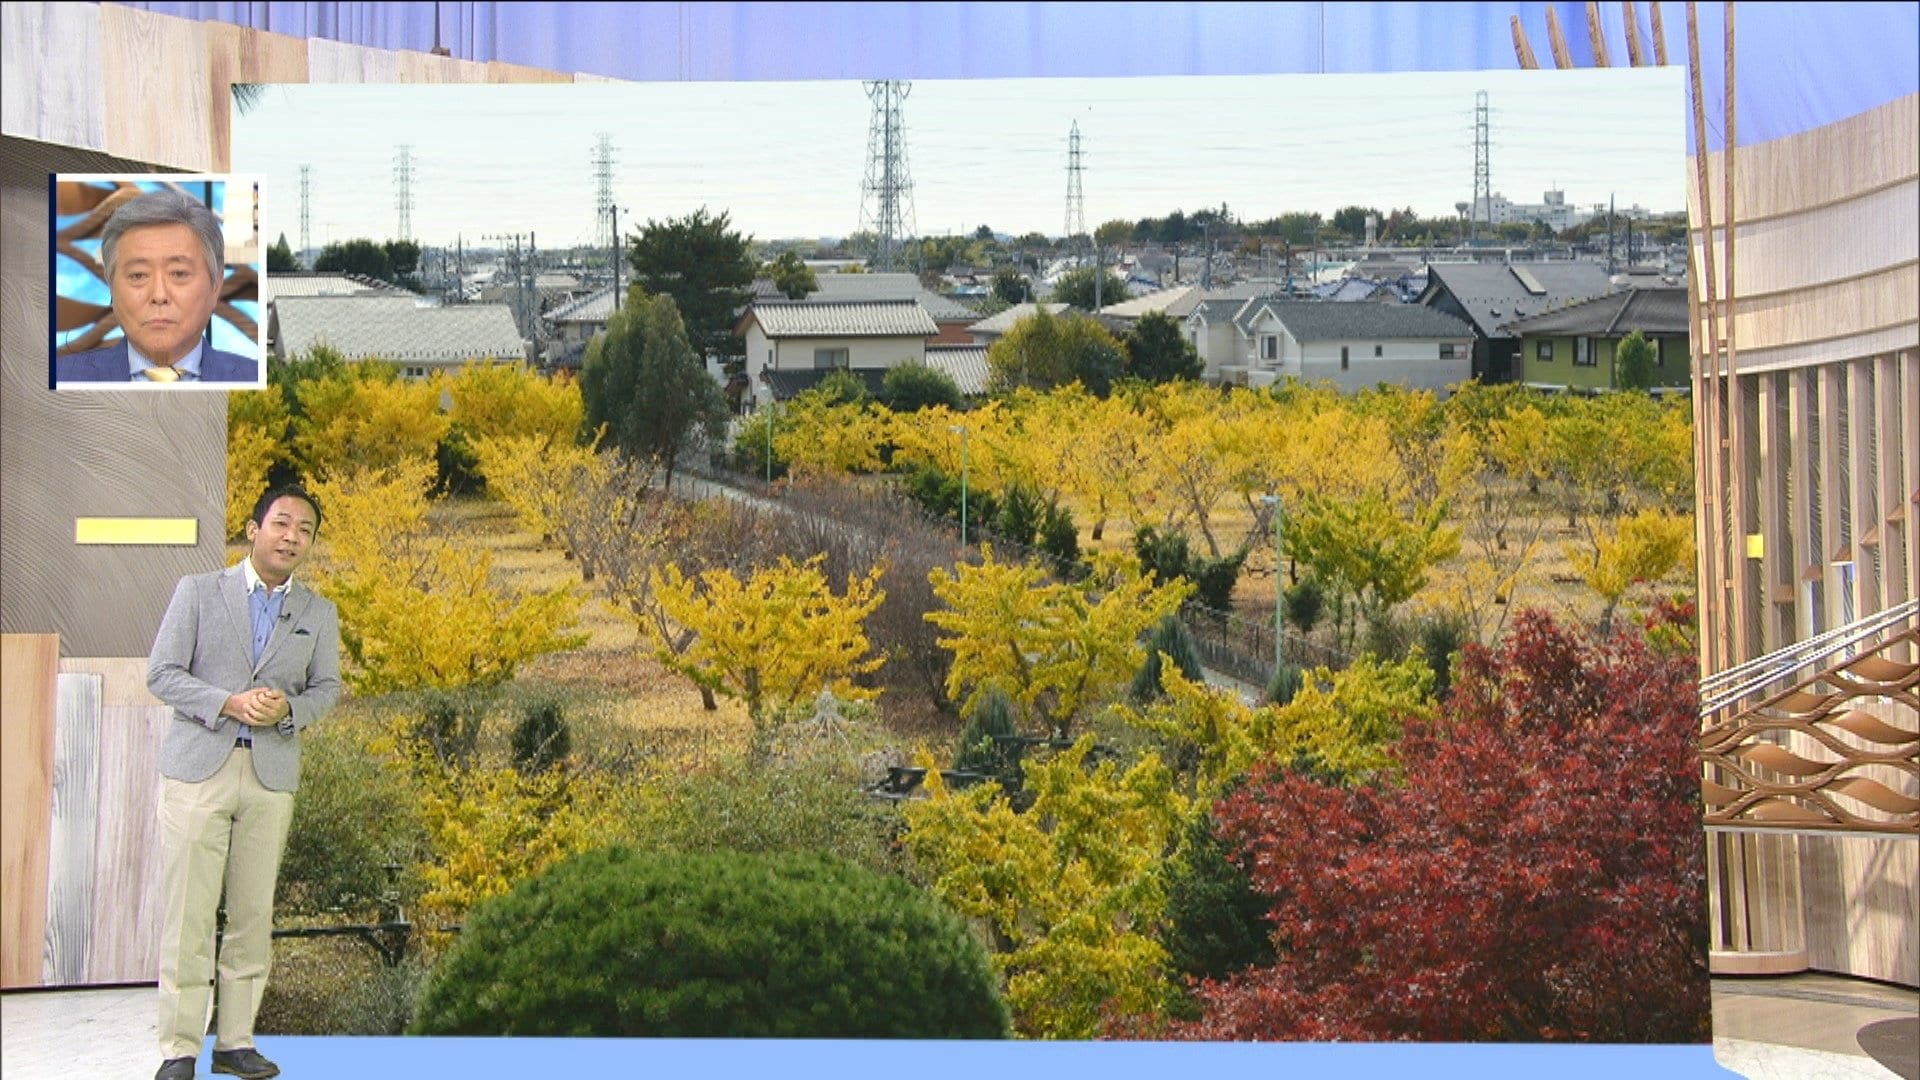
(1574, 347)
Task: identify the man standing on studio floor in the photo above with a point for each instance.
(247, 657)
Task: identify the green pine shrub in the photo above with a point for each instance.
(618, 942)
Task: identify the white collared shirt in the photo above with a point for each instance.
(253, 577)
(188, 367)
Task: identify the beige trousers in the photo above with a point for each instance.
(227, 830)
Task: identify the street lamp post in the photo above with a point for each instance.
(1279, 585)
(965, 468)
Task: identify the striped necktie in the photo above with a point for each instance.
(161, 374)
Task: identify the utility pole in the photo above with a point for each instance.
(1482, 167)
(615, 211)
(886, 204)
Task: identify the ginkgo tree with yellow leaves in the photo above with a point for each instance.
(416, 611)
(777, 637)
(1049, 646)
(1071, 890)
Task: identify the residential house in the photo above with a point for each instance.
(1574, 347)
(404, 330)
(1490, 295)
(1352, 346)
(817, 337)
(991, 329)
(951, 317)
(571, 325)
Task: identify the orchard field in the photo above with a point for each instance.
(552, 650)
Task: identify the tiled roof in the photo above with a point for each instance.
(1003, 322)
(323, 283)
(1321, 320)
(1650, 311)
(843, 288)
(1164, 301)
(966, 365)
(1495, 294)
(896, 318)
(396, 328)
(595, 307)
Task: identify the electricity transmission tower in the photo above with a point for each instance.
(1076, 199)
(1482, 167)
(886, 196)
(603, 194)
(306, 243)
(403, 191)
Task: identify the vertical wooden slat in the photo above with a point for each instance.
(1860, 493)
(128, 842)
(155, 83)
(28, 664)
(76, 809)
(54, 103)
(1804, 511)
(1778, 555)
(236, 54)
(1888, 420)
(1910, 466)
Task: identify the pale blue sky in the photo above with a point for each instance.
(787, 159)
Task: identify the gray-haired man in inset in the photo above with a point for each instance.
(165, 258)
(247, 657)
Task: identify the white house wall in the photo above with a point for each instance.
(1413, 364)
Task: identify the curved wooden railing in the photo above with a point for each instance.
(1837, 750)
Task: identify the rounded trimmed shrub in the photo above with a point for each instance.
(618, 942)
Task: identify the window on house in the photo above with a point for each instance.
(1660, 347)
(1582, 352)
(1343, 358)
(827, 359)
(1379, 350)
(1447, 350)
(1269, 346)
(1543, 350)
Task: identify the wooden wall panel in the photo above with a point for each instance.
(502, 72)
(1873, 879)
(154, 84)
(236, 54)
(1839, 161)
(1881, 229)
(419, 67)
(1887, 300)
(55, 103)
(127, 870)
(331, 62)
(76, 811)
(27, 667)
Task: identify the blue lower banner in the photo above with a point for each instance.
(477, 1059)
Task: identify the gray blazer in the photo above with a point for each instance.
(203, 654)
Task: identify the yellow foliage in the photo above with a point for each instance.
(251, 451)
(816, 436)
(491, 827)
(1345, 720)
(779, 637)
(1049, 646)
(415, 610)
(1072, 889)
(502, 401)
(1645, 547)
(367, 419)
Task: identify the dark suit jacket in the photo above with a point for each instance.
(204, 652)
(110, 365)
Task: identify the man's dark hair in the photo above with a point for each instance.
(275, 494)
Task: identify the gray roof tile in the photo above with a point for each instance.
(396, 328)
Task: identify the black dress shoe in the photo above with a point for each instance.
(246, 1063)
(175, 1069)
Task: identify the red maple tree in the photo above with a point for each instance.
(1537, 873)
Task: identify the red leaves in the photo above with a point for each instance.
(1537, 874)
